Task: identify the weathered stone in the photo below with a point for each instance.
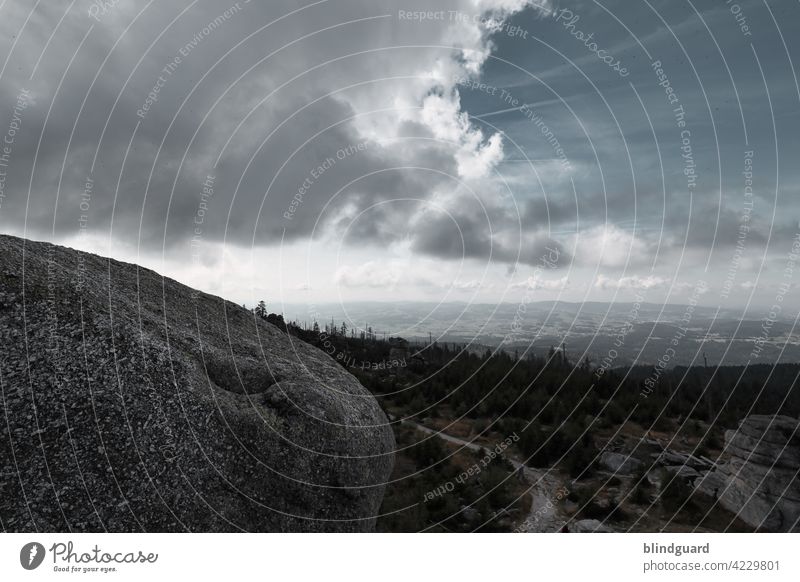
(619, 463)
(470, 514)
(588, 526)
(682, 472)
(674, 458)
(655, 477)
(139, 404)
(760, 481)
(766, 442)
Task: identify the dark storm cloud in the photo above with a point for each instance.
(181, 121)
(285, 158)
(469, 235)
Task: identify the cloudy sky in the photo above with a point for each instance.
(461, 150)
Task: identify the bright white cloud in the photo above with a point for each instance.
(533, 283)
(610, 246)
(633, 282)
(370, 274)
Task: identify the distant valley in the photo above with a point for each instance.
(617, 334)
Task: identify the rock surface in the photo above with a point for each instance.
(672, 458)
(619, 463)
(682, 472)
(588, 526)
(760, 482)
(133, 403)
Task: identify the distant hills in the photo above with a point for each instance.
(625, 332)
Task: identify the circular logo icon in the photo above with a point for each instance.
(31, 555)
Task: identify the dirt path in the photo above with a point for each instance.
(547, 496)
(547, 490)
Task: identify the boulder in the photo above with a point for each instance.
(682, 472)
(766, 442)
(588, 526)
(134, 403)
(471, 515)
(673, 458)
(655, 477)
(619, 463)
(760, 482)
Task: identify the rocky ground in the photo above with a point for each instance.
(759, 481)
(133, 403)
(662, 483)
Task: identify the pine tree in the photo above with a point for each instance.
(261, 309)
